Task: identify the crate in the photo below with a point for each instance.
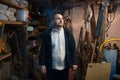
(98, 71)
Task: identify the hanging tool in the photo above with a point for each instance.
(93, 23)
(100, 29)
(83, 49)
(87, 14)
(94, 39)
(101, 18)
(80, 71)
(80, 43)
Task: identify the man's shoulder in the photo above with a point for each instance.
(47, 31)
(67, 30)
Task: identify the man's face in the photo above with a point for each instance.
(58, 20)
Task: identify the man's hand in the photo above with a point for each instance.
(43, 69)
(74, 67)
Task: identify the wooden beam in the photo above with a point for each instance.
(4, 55)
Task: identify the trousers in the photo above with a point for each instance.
(53, 74)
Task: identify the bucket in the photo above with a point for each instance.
(21, 15)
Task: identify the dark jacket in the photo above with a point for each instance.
(45, 57)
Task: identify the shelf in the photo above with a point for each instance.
(5, 55)
(34, 36)
(9, 3)
(42, 27)
(34, 23)
(13, 22)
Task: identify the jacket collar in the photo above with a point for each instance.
(49, 31)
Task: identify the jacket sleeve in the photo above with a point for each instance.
(73, 49)
(42, 52)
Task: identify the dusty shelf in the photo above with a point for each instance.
(14, 22)
(34, 23)
(9, 3)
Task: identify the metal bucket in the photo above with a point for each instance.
(21, 15)
(23, 3)
(111, 56)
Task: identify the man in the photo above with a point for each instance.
(58, 51)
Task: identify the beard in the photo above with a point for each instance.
(58, 25)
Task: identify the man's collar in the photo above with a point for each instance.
(55, 29)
